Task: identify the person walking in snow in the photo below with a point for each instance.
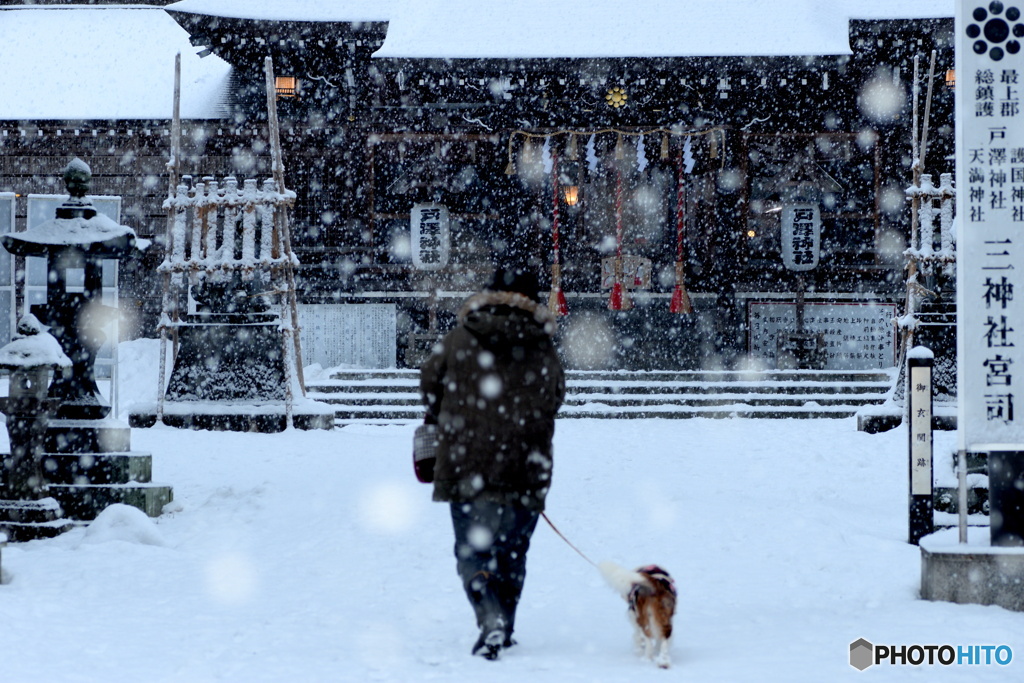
(493, 387)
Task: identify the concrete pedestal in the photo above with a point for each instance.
(228, 362)
(265, 417)
(231, 375)
(88, 465)
(972, 573)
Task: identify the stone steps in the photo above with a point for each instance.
(392, 396)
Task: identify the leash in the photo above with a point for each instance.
(562, 536)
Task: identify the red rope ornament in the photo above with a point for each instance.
(556, 298)
(619, 300)
(680, 302)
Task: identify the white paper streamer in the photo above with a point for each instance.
(546, 155)
(641, 155)
(591, 154)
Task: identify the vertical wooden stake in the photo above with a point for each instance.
(170, 299)
(281, 221)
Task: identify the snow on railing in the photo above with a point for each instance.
(933, 240)
(932, 243)
(221, 227)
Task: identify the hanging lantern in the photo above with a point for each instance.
(571, 195)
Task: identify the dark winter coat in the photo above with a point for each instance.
(493, 387)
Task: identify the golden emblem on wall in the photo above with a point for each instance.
(616, 97)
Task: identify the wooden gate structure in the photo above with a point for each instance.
(231, 231)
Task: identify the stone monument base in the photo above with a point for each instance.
(88, 465)
(973, 573)
(241, 416)
(27, 520)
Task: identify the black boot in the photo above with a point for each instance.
(508, 598)
(490, 644)
(490, 616)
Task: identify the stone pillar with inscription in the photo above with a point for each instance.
(990, 205)
(968, 568)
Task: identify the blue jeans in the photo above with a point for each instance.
(491, 540)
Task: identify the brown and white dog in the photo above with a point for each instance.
(651, 594)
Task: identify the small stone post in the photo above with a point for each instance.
(919, 411)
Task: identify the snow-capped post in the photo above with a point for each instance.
(282, 232)
(920, 362)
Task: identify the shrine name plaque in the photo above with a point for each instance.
(349, 335)
(858, 336)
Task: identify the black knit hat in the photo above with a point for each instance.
(516, 280)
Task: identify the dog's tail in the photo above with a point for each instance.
(619, 578)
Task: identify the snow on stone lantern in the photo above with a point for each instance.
(26, 510)
(77, 238)
(30, 357)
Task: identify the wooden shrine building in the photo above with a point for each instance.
(750, 156)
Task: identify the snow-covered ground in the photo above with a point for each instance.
(315, 556)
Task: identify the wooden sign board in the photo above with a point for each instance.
(349, 335)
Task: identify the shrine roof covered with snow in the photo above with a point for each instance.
(643, 28)
(103, 62)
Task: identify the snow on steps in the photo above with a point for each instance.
(392, 396)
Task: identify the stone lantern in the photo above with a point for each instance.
(63, 440)
(29, 358)
(78, 237)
